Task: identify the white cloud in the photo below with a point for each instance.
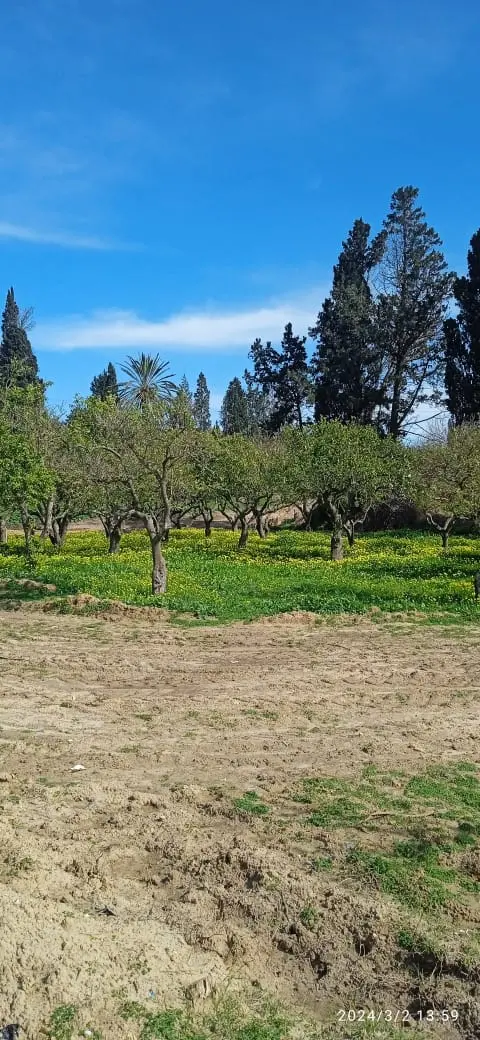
(211, 329)
(68, 240)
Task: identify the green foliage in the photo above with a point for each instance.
(462, 343)
(283, 376)
(18, 364)
(250, 803)
(106, 384)
(62, 1023)
(411, 309)
(447, 474)
(201, 404)
(226, 1021)
(347, 362)
(234, 415)
(149, 381)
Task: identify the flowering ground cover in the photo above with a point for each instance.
(288, 571)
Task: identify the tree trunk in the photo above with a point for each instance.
(47, 521)
(261, 525)
(27, 531)
(208, 526)
(336, 544)
(444, 529)
(58, 531)
(349, 528)
(166, 534)
(243, 533)
(114, 537)
(3, 533)
(394, 424)
(234, 524)
(159, 569)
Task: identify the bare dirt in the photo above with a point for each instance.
(136, 877)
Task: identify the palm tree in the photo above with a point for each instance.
(149, 381)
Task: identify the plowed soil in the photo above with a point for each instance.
(140, 876)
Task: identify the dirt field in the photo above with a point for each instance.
(171, 725)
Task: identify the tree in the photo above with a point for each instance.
(259, 406)
(146, 456)
(234, 410)
(462, 343)
(201, 404)
(181, 411)
(247, 477)
(347, 364)
(285, 375)
(18, 364)
(414, 287)
(447, 479)
(149, 381)
(345, 468)
(24, 480)
(105, 384)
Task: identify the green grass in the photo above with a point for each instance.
(62, 1023)
(250, 803)
(227, 1021)
(209, 579)
(403, 836)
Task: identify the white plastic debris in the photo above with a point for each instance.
(77, 768)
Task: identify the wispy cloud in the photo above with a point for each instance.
(211, 329)
(66, 239)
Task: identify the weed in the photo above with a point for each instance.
(250, 803)
(308, 916)
(62, 1023)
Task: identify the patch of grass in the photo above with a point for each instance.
(61, 1023)
(308, 916)
(322, 863)
(227, 1021)
(250, 803)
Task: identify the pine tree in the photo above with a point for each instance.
(184, 388)
(234, 410)
(18, 364)
(201, 404)
(259, 405)
(347, 365)
(105, 385)
(182, 406)
(283, 374)
(412, 304)
(462, 343)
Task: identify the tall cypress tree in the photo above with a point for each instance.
(411, 310)
(18, 364)
(201, 404)
(462, 343)
(284, 375)
(106, 384)
(347, 364)
(234, 411)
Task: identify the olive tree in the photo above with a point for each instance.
(145, 456)
(247, 478)
(24, 479)
(345, 469)
(447, 479)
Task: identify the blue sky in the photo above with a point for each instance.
(177, 176)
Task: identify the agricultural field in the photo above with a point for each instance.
(277, 821)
